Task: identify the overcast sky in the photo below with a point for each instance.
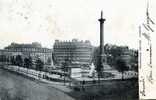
(26, 21)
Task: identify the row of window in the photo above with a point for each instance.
(29, 50)
(70, 53)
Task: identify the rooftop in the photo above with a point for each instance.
(32, 45)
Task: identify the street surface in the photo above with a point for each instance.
(16, 87)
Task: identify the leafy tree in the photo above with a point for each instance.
(19, 60)
(28, 62)
(8, 59)
(121, 66)
(39, 64)
(13, 62)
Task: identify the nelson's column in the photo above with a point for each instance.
(102, 56)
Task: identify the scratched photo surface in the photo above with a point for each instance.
(77, 49)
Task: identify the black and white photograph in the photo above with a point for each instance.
(77, 49)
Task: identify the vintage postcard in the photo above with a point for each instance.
(77, 49)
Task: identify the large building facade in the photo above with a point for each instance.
(78, 52)
(34, 50)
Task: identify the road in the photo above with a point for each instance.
(16, 87)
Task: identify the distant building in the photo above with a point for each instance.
(33, 50)
(130, 56)
(78, 52)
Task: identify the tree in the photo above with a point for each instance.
(39, 64)
(13, 62)
(19, 60)
(28, 62)
(121, 66)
